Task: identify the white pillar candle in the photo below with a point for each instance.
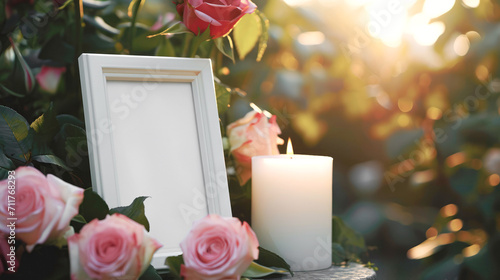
(292, 208)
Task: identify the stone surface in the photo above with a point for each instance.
(353, 272)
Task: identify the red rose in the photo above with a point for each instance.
(221, 15)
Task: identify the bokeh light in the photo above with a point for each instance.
(434, 9)
(311, 38)
(455, 225)
(494, 180)
(471, 3)
(471, 250)
(449, 210)
(461, 45)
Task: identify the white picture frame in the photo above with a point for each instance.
(153, 130)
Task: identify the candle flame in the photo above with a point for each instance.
(289, 147)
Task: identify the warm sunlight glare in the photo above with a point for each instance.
(471, 3)
(289, 148)
(296, 2)
(425, 33)
(311, 38)
(434, 9)
(461, 45)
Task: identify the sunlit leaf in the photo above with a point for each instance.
(256, 270)
(246, 34)
(225, 46)
(270, 259)
(198, 40)
(264, 37)
(223, 94)
(175, 28)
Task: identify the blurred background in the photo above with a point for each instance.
(404, 95)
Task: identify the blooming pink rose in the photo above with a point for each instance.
(252, 135)
(44, 206)
(218, 248)
(114, 248)
(49, 78)
(221, 15)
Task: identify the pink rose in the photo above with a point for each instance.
(49, 78)
(114, 248)
(221, 15)
(252, 135)
(44, 206)
(218, 248)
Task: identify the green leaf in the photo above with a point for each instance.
(134, 211)
(351, 241)
(175, 28)
(63, 6)
(58, 50)
(100, 24)
(198, 40)
(45, 127)
(47, 124)
(270, 259)
(225, 46)
(133, 10)
(15, 136)
(150, 274)
(338, 253)
(79, 219)
(96, 4)
(134, 7)
(142, 42)
(174, 265)
(264, 37)
(256, 270)
(246, 34)
(29, 78)
(8, 91)
(71, 144)
(93, 206)
(223, 95)
(5, 165)
(69, 119)
(165, 48)
(52, 159)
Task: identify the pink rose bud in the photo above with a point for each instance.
(221, 15)
(49, 78)
(218, 248)
(44, 206)
(252, 135)
(114, 248)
